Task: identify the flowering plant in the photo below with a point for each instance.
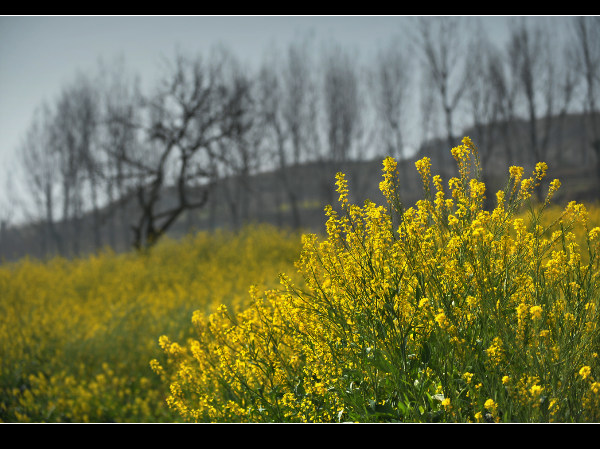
(443, 311)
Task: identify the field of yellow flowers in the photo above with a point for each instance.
(77, 336)
(442, 311)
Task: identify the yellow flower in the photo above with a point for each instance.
(387, 186)
(468, 142)
(594, 233)
(554, 186)
(424, 168)
(490, 405)
(540, 170)
(342, 188)
(500, 198)
(585, 372)
(494, 352)
(516, 172)
(536, 390)
(536, 312)
(460, 153)
(525, 191)
(389, 164)
(477, 188)
(441, 319)
(467, 376)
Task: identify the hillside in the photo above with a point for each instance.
(262, 198)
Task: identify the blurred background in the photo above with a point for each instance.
(115, 131)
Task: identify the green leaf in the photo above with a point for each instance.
(381, 363)
(425, 353)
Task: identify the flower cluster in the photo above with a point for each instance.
(446, 311)
(76, 336)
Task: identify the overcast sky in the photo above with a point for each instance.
(39, 54)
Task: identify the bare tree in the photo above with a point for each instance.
(9, 207)
(390, 88)
(342, 124)
(297, 99)
(85, 97)
(480, 98)
(63, 140)
(274, 134)
(285, 95)
(341, 103)
(442, 48)
(120, 124)
(567, 85)
(74, 137)
(526, 47)
(40, 165)
(503, 85)
(428, 118)
(184, 123)
(239, 149)
(586, 52)
(59, 156)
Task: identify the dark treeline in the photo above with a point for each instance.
(107, 163)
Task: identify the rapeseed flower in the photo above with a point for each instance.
(585, 372)
(391, 305)
(536, 312)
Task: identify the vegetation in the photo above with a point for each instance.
(76, 336)
(460, 305)
(443, 311)
(439, 312)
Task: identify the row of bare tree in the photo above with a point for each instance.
(105, 141)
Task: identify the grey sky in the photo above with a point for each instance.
(39, 54)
